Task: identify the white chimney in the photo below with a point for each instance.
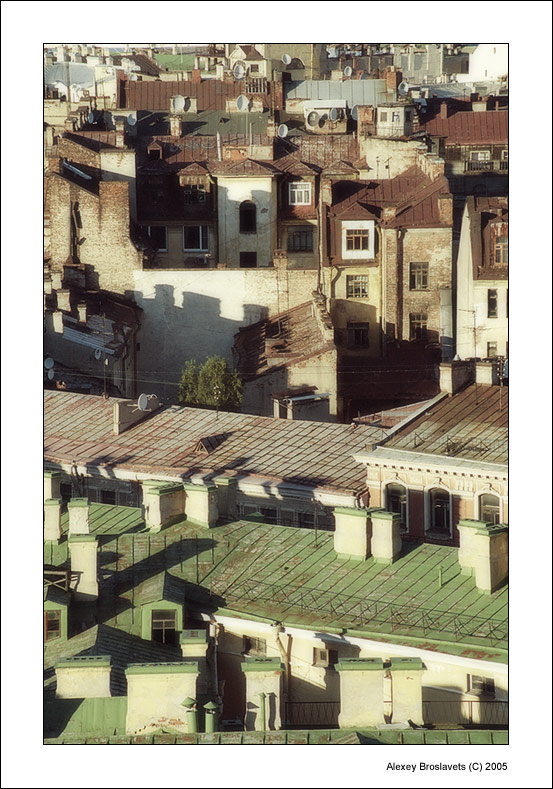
(52, 520)
(82, 310)
(78, 516)
(64, 301)
(83, 551)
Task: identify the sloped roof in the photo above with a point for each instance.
(212, 94)
(471, 128)
(244, 167)
(79, 428)
(354, 91)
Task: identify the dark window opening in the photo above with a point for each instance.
(300, 239)
(396, 501)
(158, 237)
(164, 627)
(154, 154)
(358, 334)
(439, 511)
(52, 625)
(195, 238)
(248, 217)
(489, 508)
(66, 491)
(481, 686)
(248, 259)
(491, 350)
(492, 303)
(418, 326)
(256, 647)
(194, 194)
(107, 496)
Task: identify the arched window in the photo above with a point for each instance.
(439, 511)
(396, 501)
(489, 508)
(248, 217)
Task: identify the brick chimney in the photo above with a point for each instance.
(445, 206)
(196, 76)
(175, 125)
(483, 553)
(83, 677)
(389, 212)
(443, 110)
(393, 78)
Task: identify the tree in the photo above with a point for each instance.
(212, 384)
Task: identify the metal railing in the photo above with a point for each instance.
(311, 714)
(473, 712)
(367, 612)
(488, 166)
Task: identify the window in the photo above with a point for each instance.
(384, 117)
(418, 276)
(480, 686)
(195, 238)
(158, 237)
(358, 335)
(325, 657)
(395, 117)
(194, 194)
(505, 156)
(247, 509)
(501, 255)
(248, 259)
(107, 496)
(492, 303)
(269, 514)
(357, 239)
(256, 647)
(491, 350)
(439, 511)
(248, 217)
(254, 68)
(154, 154)
(52, 625)
(396, 501)
(286, 518)
(306, 520)
(489, 508)
(299, 193)
(480, 156)
(66, 491)
(418, 326)
(357, 286)
(407, 116)
(300, 239)
(164, 626)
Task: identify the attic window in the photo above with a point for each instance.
(299, 193)
(154, 154)
(164, 626)
(255, 647)
(501, 253)
(480, 686)
(325, 657)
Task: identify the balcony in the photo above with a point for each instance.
(489, 166)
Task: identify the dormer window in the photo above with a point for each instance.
(194, 194)
(358, 239)
(501, 250)
(299, 193)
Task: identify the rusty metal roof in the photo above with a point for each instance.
(79, 428)
(470, 424)
(471, 128)
(212, 94)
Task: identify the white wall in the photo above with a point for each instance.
(487, 62)
(231, 193)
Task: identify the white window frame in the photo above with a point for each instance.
(353, 279)
(204, 236)
(166, 247)
(297, 187)
(489, 492)
(475, 691)
(384, 498)
(480, 156)
(358, 254)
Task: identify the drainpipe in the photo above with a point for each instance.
(214, 633)
(285, 654)
(400, 236)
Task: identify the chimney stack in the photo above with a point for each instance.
(484, 553)
(443, 110)
(78, 516)
(455, 375)
(82, 310)
(64, 300)
(52, 520)
(83, 552)
(52, 485)
(175, 125)
(445, 207)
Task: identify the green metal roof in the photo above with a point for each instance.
(175, 62)
(321, 737)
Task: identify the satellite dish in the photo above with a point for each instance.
(242, 103)
(90, 117)
(313, 118)
(286, 59)
(354, 111)
(348, 71)
(142, 402)
(98, 353)
(131, 119)
(239, 71)
(333, 114)
(403, 88)
(48, 363)
(50, 374)
(178, 103)
(282, 130)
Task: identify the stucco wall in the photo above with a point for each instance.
(231, 193)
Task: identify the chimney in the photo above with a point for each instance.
(78, 516)
(443, 110)
(445, 207)
(196, 76)
(52, 520)
(455, 375)
(280, 259)
(361, 692)
(407, 690)
(126, 414)
(201, 504)
(175, 123)
(57, 321)
(83, 677)
(352, 533)
(393, 78)
(83, 553)
(226, 496)
(219, 71)
(487, 373)
(64, 300)
(119, 133)
(52, 485)
(156, 693)
(82, 310)
(483, 553)
(479, 106)
(386, 539)
(194, 645)
(56, 279)
(389, 212)
(162, 504)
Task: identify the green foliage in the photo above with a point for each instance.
(213, 384)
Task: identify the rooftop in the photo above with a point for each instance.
(365, 92)
(469, 425)
(79, 429)
(293, 575)
(212, 94)
(471, 128)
